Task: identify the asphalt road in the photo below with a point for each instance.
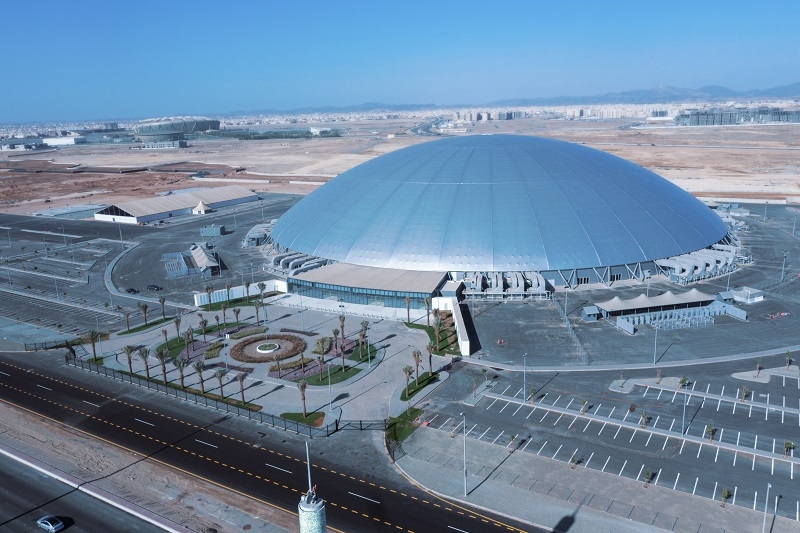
(27, 495)
(268, 465)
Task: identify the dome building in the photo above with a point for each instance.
(172, 128)
(505, 212)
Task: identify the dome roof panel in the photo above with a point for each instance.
(500, 202)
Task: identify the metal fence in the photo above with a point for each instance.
(258, 416)
(52, 345)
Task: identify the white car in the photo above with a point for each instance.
(50, 523)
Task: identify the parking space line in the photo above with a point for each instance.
(626, 415)
(716, 454)
(623, 467)
(503, 408)
(658, 476)
(676, 481)
(526, 444)
(542, 448)
(557, 419)
(682, 445)
(589, 459)
(634, 434)
(611, 413)
(656, 422)
(695, 485)
(498, 436)
(587, 426)
(648, 439)
(518, 408)
(733, 502)
(558, 450)
(673, 423)
(606, 463)
(598, 408)
(714, 495)
(755, 500)
(754, 462)
(432, 419)
(772, 471)
(639, 475)
(700, 449)
(645, 391)
(570, 403)
(617, 433)
(666, 440)
(484, 433)
(545, 414)
(529, 414)
(470, 430)
(573, 421)
(602, 428)
(445, 422)
(735, 455)
(659, 394)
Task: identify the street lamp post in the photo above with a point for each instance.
(330, 397)
(766, 503)
(783, 268)
(765, 212)
(252, 276)
(262, 211)
(464, 417)
(655, 344)
(55, 280)
(234, 219)
(683, 420)
(302, 322)
(524, 374)
(121, 242)
(63, 235)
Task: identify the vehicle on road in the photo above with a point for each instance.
(131, 291)
(155, 288)
(50, 523)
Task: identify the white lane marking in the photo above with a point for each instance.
(676, 481)
(484, 433)
(497, 437)
(587, 426)
(634, 434)
(278, 468)
(659, 394)
(695, 485)
(640, 473)
(558, 450)
(648, 439)
(529, 414)
(143, 422)
(656, 422)
(5, 374)
(658, 476)
(470, 430)
(617, 433)
(598, 408)
(363, 497)
(43, 387)
(623, 467)
(545, 414)
(602, 428)
(606, 464)
(612, 412)
(573, 421)
(206, 443)
(518, 408)
(90, 403)
(542, 448)
(733, 502)
(456, 529)
(506, 405)
(590, 458)
(572, 399)
(557, 419)
(665, 444)
(700, 449)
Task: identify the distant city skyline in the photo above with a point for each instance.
(95, 60)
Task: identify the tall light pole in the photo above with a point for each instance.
(262, 211)
(330, 397)
(783, 268)
(121, 242)
(63, 235)
(464, 417)
(655, 344)
(252, 277)
(234, 219)
(766, 503)
(524, 373)
(765, 212)
(683, 420)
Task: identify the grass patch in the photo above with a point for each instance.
(414, 387)
(313, 419)
(360, 354)
(213, 351)
(404, 425)
(247, 332)
(95, 360)
(143, 327)
(236, 302)
(444, 348)
(337, 376)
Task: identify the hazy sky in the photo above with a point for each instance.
(112, 59)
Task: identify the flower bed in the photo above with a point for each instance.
(290, 346)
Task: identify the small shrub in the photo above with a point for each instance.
(322, 345)
(291, 366)
(213, 351)
(248, 332)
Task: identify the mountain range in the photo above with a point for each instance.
(661, 94)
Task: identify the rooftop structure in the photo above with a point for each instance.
(172, 128)
(501, 203)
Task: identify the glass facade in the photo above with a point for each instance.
(357, 295)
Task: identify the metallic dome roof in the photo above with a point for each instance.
(498, 203)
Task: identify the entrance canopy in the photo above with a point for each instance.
(644, 304)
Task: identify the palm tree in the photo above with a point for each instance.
(437, 327)
(203, 324)
(407, 370)
(164, 333)
(144, 355)
(335, 337)
(220, 372)
(301, 386)
(187, 339)
(216, 317)
(224, 308)
(180, 364)
(428, 311)
(758, 366)
(162, 354)
(228, 288)
(177, 322)
(143, 308)
(408, 309)
(430, 347)
(417, 355)
(127, 321)
(788, 359)
(257, 305)
(247, 290)
(319, 365)
(341, 327)
(261, 287)
(162, 301)
(209, 289)
(361, 344)
(93, 336)
(236, 312)
(341, 351)
(198, 367)
(240, 378)
(128, 351)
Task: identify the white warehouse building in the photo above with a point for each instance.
(176, 204)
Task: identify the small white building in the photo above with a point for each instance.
(201, 209)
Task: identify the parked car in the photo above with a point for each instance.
(50, 523)
(131, 291)
(155, 288)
